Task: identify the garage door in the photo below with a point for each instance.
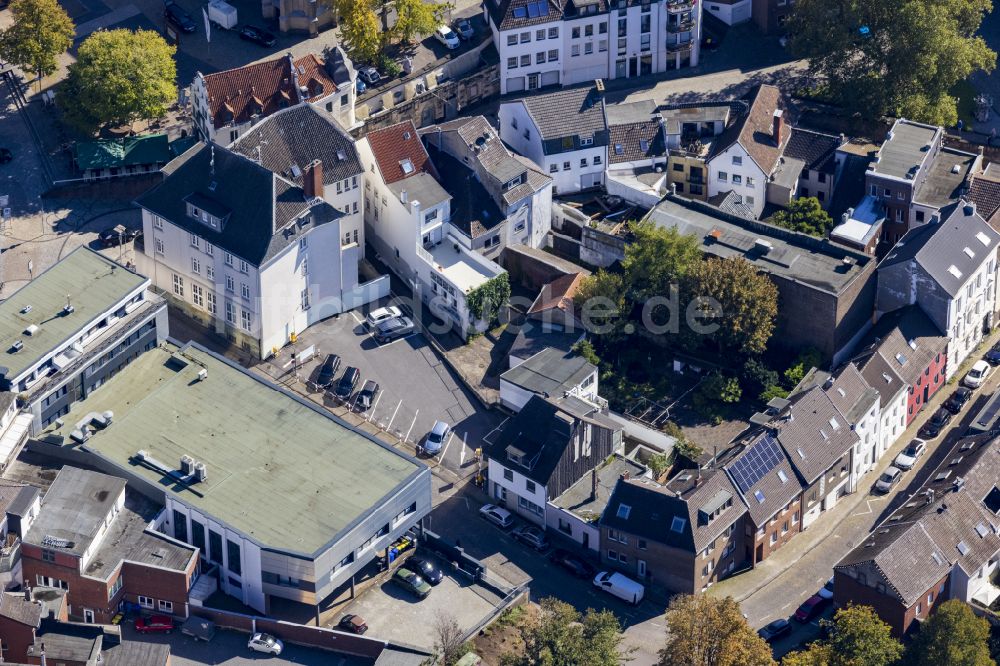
(550, 78)
(515, 84)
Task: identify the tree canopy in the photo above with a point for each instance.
(416, 18)
(747, 302)
(657, 258)
(41, 30)
(953, 635)
(601, 301)
(895, 57)
(705, 631)
(804, 215)
(359, 27)
(561, 636)
(858, 637)
(119, 77)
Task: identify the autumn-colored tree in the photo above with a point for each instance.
(119, 77)
(41, 31)
(561, 636)
(416, 18)
(743, 302)
(858, 637)
(705, 631)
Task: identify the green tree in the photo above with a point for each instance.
(656, 259)
(41, 30)
(601, 301)
(896, 57)
(714, 393)
(682, 446)
(757, 377)
(561, 636)
(119, 77)
(953, 635)
(486, 301)
(804, 362)
(747, 302)
(586, 349)
(705, 631)
(804, 215)
(416, 18)
(858, 638)
(359, 27)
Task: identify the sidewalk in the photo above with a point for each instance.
(791, 557)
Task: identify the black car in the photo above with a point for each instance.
(345, 387)
(936, 423)
(576, 566)
(775, 630)
(353, 623)
(328, 370)
(180, 18)
(252, 33)
(111, 238)
(956, 401)
(426, 568)
(993, 355)
(367, 396)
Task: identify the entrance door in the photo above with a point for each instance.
(927, 393)
(641, 568)
(88, 616)
(633, 66)
(760, 553)
(586, 540)
(532, 81)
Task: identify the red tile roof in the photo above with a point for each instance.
(262, 88)
(754, 130)
(395, 144)
(558, 294)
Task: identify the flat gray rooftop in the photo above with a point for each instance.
(550, 372)
(279, 469)
(908, 147)
(90, 282)
(74, 508)
(945, 177)
(801, 258)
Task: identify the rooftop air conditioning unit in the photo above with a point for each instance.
(200, 472)
(68, 309)
(31, 330)
(202, 375)
(187, 465)
(763, 246)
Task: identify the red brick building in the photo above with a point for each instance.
(91, 540)
(21, 616)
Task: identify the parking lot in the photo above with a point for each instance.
(230, 648)
(395, 614)
(416, 387)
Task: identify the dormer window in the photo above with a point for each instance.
(586, 141)
(514, 182)
(204, 217)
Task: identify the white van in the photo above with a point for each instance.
(620, 586)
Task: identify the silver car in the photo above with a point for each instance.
(888, 480)
(531, 536)
(265, 643)
(437, 437)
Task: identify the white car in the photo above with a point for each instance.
(907, 458)
(436, 437)
(265, 643)
(827, 590)
(376, 317)
(888, 480)
(448, 37)
(977, 375)
(496, 515)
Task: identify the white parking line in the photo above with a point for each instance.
(371, 412)
(389, 424)
(386, 344)
(357, 318)
(461, 455)
(407, 438)
(445, 449)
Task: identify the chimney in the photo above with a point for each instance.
(403, 197)
(593, 485)
(27, 591)
(777, 126)
(970, 208)
(625, 476)
(312, 180)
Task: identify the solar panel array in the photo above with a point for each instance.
(760, 459)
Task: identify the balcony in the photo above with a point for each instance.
(679, 47)
(679, 5)
(684, 25)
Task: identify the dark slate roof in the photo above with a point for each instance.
(256, 204)
(541, 432)
(16, 498)
(550, 372)
(14, 607)
(533, 338)
(511, 14)
(652, 509)
(940, 248)
(776, 490)
(946, 523)
(636, 141)
(851, 394)
(907, 340)
(572, 112)
(753, 131)
(296, 137)
(815, 149)
(814, 434)
(473, 210)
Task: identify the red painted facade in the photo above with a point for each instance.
(927, 384)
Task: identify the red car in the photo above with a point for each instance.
(810, 608)
(154, 624)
